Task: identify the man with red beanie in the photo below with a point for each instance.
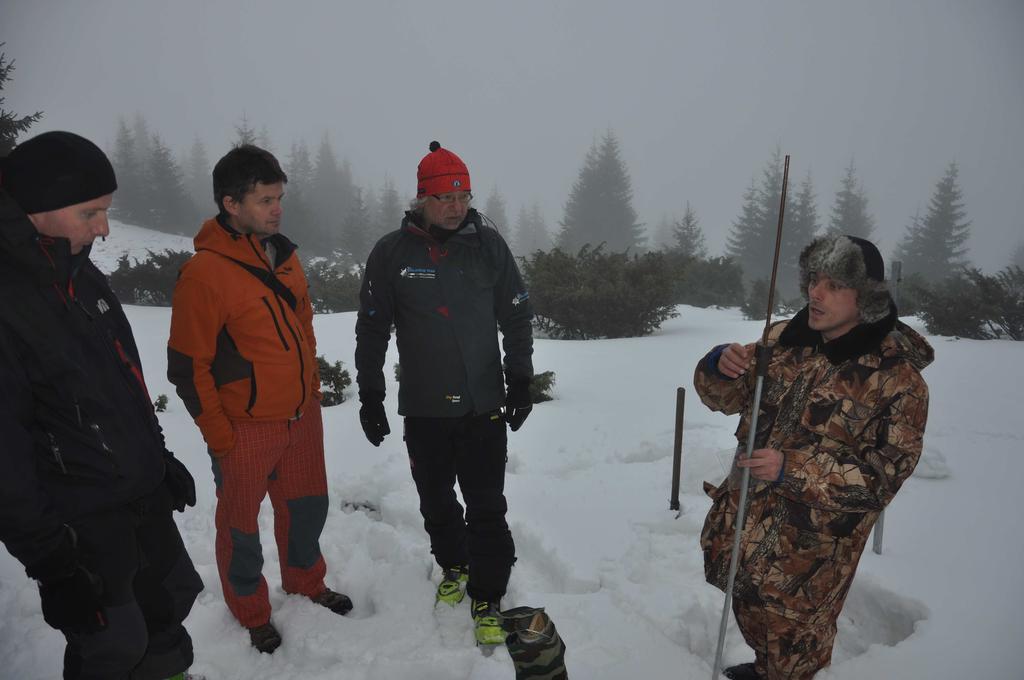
(88, 486)
(242, 356)
(448, 282)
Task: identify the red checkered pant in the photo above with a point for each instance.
(284, 458)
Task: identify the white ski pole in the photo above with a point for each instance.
(896, 277)
(761, 364)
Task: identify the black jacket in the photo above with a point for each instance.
(78, 429)
(446, 301)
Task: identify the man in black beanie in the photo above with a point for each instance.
(839, 429)
(88, 488)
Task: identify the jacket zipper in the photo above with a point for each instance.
(99, 435)
(284, 317)
(302, 362)
(78, 411)
(276, 324)
(56, 452)
(252, 392)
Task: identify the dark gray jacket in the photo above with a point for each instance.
(77, 427)
(446, 301)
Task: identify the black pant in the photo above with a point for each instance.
(471, 449)
(149, 586)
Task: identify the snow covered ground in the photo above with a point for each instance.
(588, 488)
(135, 241)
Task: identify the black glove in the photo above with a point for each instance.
(70, 593)
(179, 482)
(73, 604)
(517, 404)
(374, 421)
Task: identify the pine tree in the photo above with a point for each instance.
(244, 133)
(143, 141)
(299, 168)
(531, 232)
(389, 210)
(801, 225)
(298, 219)
(933, 247)
(751, 242)
(168, 206)
(748, 241)
(324, 198)
(1018, 256)
(687, 236)
(10, 124)
(263, 139)
(495, 211)
(910, 245)
(600, 206)
(355, 230)
(850, 211)
(129, 203)
(518, 232)
(347, 187)
(371, 199)
(198, 178)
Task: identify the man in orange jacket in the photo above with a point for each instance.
(242, 356)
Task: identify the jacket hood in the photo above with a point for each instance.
(217, 236)
(906, 342)
(888, 336)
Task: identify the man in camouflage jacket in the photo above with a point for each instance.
(840, 426)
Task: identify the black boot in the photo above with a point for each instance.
(265, 638)
(743, 671)
(336, 602)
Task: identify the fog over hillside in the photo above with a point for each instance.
(699, 94)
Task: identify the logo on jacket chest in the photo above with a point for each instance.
(418, 273)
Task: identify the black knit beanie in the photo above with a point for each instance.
(54, 170)
(853, 262)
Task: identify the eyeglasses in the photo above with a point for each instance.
(455, 196)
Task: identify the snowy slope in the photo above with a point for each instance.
(588, 487)
(127, 238)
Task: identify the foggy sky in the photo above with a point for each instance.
(699, 94)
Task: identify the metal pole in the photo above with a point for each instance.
(896, 277)
(677, 450)
(763, 356)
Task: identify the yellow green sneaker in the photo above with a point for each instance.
(452, 588)
(487, 623)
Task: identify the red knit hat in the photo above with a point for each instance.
(441, 172)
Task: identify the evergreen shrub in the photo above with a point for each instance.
(333, 288)
(971, 304)
(706, 281)
(540, 386)
(149, 282)
(595, 294)
(333, 381)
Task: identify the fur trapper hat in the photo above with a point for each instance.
(854, 262)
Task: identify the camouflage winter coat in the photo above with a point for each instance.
(849, 417)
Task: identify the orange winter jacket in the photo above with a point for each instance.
(238, 350)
